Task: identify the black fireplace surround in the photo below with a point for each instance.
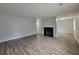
(48, 31)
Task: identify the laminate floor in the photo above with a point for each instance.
(64, 44)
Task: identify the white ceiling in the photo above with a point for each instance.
(39, 10)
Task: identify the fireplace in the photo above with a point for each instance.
(48, 31)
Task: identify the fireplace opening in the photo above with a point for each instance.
(48, 31)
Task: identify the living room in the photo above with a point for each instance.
(39, 28)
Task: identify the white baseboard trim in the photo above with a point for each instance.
(67, 32)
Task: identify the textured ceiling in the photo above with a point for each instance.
(39, 10)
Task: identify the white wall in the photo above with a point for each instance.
(39, 25)
(12, 27)
(76, 27)
(65, 26)
(49, 22)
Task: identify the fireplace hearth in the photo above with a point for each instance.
(48, 31)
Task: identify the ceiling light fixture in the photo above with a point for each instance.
(60, 4)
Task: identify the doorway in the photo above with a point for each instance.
(65, 25)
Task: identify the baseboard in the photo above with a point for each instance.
(14, 38)
(66, 32)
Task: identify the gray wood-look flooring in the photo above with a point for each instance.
(64, 44)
